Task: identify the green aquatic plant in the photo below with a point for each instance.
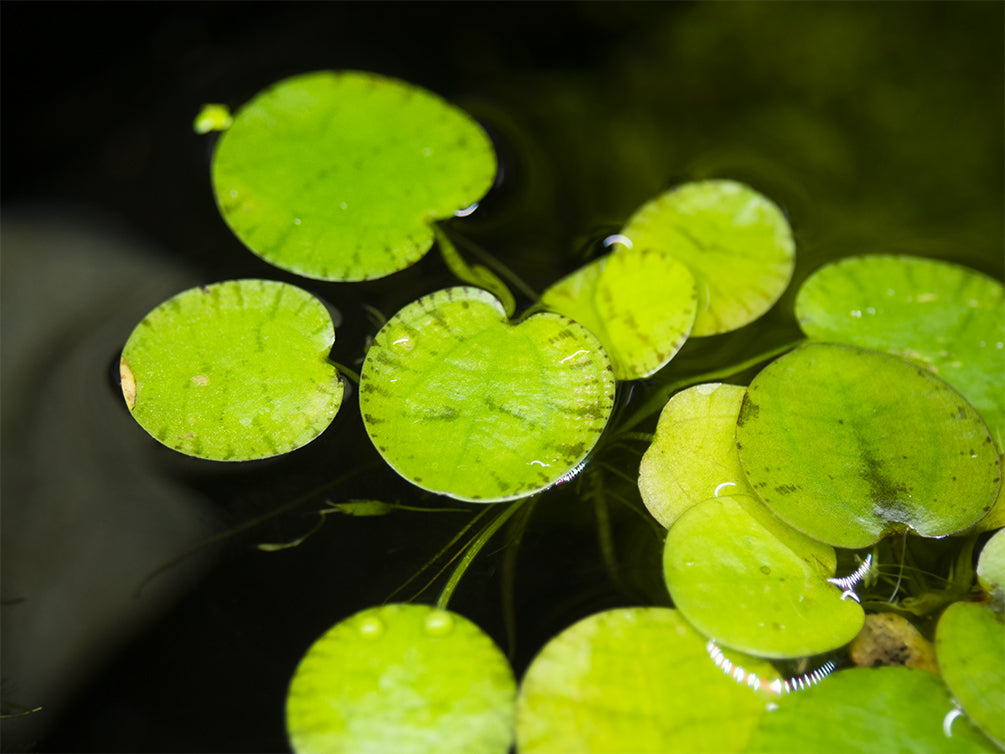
(785, 507)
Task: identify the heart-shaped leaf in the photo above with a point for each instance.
(970, 646)
(948, 318)
(693, 454)
(848, 445)
(640, 304)
(753, 583)
(634, 680)
(408, 679)
(338, 175)
(874, 710)
(462, 402)
(233, 371)
(735, 241)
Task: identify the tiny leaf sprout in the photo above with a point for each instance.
(848, 583)
(752, 680)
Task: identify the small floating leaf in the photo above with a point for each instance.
(848, 445)
(991, 567)
(461, 402)
(408, 679)
(948, 318)
(970, 644)
(634, 680)
(233, 371)
(338, 175)
(212, 118)
(875, 710)
(745, 578)
(737, 244)
(693, 454)
(640, 304)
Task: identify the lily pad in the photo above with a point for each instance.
(233, 371)
(693, 454)
(876, 710)
(848, 445)
(991, 567)
(970, 646)
(948, 318)
(461, 402)
(404, 678)
(753, 583)
(339, 175)
(640, 304)
(634, 680)
(736, 242)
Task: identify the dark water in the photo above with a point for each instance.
(877, 127)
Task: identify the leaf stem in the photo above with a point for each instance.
(658, 400)
(474, 548)
(354, 376)
(501, 269)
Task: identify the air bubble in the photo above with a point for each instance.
(439, 623)
(371, 627)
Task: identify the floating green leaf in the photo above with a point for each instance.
(736, 242)
(753, 583)
(949, 318)
(848, 445)
(233, 371)
(878, 710)
(212, 118)
(970, 646)
(634, 680)
(640, 304)
(991, 567)
(693, 454)
(404, 679)
(462, 402)
(338, 175)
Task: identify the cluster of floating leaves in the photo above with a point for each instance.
(889, 419)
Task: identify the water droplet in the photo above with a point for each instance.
(371, 627)
(466, 211)
(439, 623)
(765, 570)
(856, 313)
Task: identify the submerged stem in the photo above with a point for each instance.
(472, 550)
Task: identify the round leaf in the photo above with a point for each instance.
(640, 304)
(233, 371)
(948, 318)
(745, 578)
(970, 645)
(402, 678)
(848, 445)
(991, 566)
(462, 402)
(634, 680)
(693, 454)
(876, 710)
(338, 175)
(736, 242)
